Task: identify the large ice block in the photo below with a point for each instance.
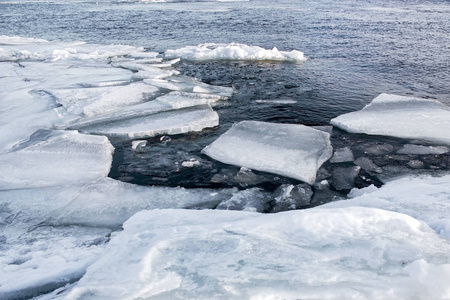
(294, 151)
(56, 158)
(351, 253)
(399, 116)
(169, 122)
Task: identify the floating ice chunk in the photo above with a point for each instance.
(343, 178)
(357, 253)
(423, 150)
(294, 151)
(403, 117)
(277, 101)
(425, 198)
(253, 199)
(342, 155)
(190, 163)
(138, 144)
(368, 165)
(56, 157)
(169, 122)
(289, 197)
(178, 100)
(233, 52)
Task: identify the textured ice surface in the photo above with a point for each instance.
(424, 198)
(294, 151)
(403, 117)
(170, 122)
(56, 157)
(233, 51)
(352, 253)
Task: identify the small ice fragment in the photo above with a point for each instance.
(416, 164)
(289, 197)
(277, 101)
(368, 165)
(342, 155)
(344, 178)
(165, 139)
(190, 163)
(137, 144)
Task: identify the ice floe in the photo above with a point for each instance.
(346, 253)
(233, 51)
(294, 151)
(399, 116)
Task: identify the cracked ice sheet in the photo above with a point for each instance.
(168, 122)
(358, 253)
(289, 150)
(403, 117)
(425, 198)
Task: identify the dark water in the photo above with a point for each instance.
(356, 50)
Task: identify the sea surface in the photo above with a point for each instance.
(355, 51)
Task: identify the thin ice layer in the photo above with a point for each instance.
(170, 122)
(233, 51)
(294, 151)
(403, 117)
(352, 253)
(56, 157)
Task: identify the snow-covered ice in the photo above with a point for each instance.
(351, 253)
(233, 51)
(399, 116)
(425, 198)
(294, 151)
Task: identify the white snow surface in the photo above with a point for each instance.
(290, 150)
(233, 51)
(351, 253)
(425, 198)
(399, 116)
